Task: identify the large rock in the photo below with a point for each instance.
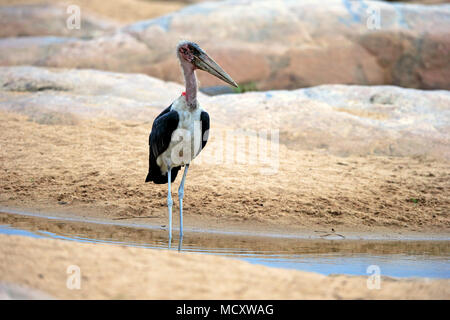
(276, 44)
(50, 20)
(347, 120)
(46, 94)
(340, 119)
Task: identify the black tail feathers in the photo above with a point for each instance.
(154, 175)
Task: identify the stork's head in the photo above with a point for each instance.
(191, 53)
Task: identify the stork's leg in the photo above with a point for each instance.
(169, 202)
(180, 244)
(180, 197)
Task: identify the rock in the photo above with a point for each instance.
(46, 94)
(125, 11)
(276, 45)
(49, 20)
(346, 120)
(339, 119)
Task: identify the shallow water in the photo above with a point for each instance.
(394, 258)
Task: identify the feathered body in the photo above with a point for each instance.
(178, 135)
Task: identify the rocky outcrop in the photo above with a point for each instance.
(347, 120)
(47, 93)
(275, 44)
(339, 119)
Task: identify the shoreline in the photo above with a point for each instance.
(240, 229)
(42, 264)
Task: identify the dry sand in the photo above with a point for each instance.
(117, 272)
(97, 168)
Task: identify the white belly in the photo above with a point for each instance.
(186, 140)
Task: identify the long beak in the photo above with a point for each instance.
(205, 63)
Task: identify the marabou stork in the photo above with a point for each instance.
(180, 132)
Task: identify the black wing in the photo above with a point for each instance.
(204, 118)
(163, 127)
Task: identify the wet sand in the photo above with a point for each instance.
(143, 235)
(324, 253)
(106, 271)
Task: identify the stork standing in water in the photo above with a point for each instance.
(180, 132)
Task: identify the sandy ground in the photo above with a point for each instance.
(125, 11)
(117, 272)
(97, 168)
